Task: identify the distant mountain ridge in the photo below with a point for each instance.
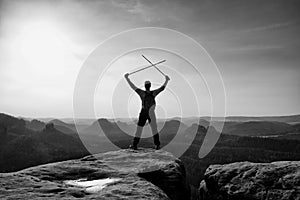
(287, 119)
(258, 128)
(187, 120)
(23, 143)
(22, 147)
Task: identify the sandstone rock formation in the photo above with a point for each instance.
(3, 130)
(49, 126)
(142, 174)
(245, 180)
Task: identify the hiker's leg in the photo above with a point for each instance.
(137, 136)
(141, 123)
(155, 132)
(153, 125)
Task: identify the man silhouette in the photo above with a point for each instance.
(148, 110)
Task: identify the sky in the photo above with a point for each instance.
(255, 44)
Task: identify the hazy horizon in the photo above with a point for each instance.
(109, 118)
(255, 44)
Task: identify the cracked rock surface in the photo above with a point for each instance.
(246, 180)
(143, 174)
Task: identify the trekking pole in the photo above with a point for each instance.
(154, 66)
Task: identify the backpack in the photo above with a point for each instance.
(148, 100)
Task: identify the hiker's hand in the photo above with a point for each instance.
(126, 75)
(167, 78)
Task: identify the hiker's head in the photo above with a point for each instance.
(147, 85)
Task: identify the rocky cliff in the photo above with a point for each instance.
(123, 174)
(245, 180)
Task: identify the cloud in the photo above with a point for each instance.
(135, 8)
(270, 27)
(242, 36)
(253, 47)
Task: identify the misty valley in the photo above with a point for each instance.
(29, 142)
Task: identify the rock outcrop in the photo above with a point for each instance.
(3, 130)
(49, 126)
(142, 174)
(35, 125)
(245, 180)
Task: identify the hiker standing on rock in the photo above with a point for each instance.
(148, 110)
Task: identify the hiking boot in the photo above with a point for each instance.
(157, 147)
(134, 147)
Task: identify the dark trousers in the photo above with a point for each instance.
(143, 117)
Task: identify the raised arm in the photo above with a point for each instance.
(157, 91)
(166, 81)
(129, 82)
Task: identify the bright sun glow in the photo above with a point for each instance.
(43, 52)
(42, 44)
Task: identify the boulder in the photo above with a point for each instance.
(245, 180)
(35, 125)
(49, 126)
(3, 130)
(124, 174)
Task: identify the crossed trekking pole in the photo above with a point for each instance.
(152, 65)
